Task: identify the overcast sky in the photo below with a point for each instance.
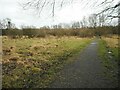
(12, 9)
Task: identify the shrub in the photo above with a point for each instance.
(13, 33)
(83, 32)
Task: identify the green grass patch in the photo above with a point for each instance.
(102, 49)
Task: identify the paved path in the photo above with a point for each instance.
(85, 72)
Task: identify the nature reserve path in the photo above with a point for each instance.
(85, 72)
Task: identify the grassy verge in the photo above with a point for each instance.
(33, 62)
(108, 51)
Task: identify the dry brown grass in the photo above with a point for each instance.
(0, 49)
(23, 59)
(112, 41)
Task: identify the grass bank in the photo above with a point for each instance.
(32, 62)
(108, 51)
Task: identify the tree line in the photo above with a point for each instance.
(87, 27)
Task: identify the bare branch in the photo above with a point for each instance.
(110, 8)
(106, 1)
(53, 10)
(52, 5)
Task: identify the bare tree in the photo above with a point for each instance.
(119, 15)
(4, 23)
(76, 25)
(109, 7)
(101, 20)
(84, 22)
(93, 20)
(7, 24)
(40, 5)
(1, 24)
(59, 26)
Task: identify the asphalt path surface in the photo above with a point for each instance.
(85, 72)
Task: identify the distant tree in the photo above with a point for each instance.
(66, 26)
(81, 24)
(93, 20)
(59, 26)
(7, 24)
(27, 27)
(45, 27)
(84, 21)
(102, 20)
(55, 26)
(1, 25)
(76, 25)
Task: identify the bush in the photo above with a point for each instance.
(13, 33)
(83, 32)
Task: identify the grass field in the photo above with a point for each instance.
(112, 44)
(108, 51)
(31, 62)
(0, 50)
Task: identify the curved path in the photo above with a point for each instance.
(85, 72)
